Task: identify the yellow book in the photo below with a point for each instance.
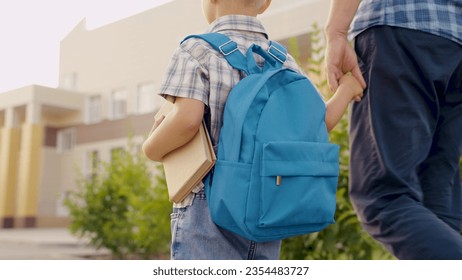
(186, 166)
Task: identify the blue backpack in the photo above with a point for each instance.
(276, 173)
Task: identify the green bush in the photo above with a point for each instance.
(119, 209)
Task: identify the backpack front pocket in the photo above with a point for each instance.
(298, 184)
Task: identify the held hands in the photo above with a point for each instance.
(342, 69)
(350, 86)
(348, 89)
(340, 58)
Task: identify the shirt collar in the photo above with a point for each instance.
(237, 22)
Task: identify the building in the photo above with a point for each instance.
(107, 80)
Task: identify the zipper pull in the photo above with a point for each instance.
(278, 180)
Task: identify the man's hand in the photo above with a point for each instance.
(341, 59)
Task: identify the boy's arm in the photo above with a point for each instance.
(176, 129)
(348, 90)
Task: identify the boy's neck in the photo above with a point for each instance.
(226, 11)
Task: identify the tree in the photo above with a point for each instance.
(119, 208)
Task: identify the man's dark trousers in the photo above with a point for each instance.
(406, 142)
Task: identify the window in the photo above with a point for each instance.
(91, 163)
(93, 112)
(117, 153)
(61, 209)
(145, 102)
(66, 139)
(119, 104)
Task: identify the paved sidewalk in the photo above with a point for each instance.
(44, 244)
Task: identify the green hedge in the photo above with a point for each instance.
(121, 210)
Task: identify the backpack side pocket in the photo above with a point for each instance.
(298, 184)
(227, 196)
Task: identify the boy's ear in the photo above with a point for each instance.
(264, 7)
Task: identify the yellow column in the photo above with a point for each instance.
(29, 168)
(29, 174)
(9, 154)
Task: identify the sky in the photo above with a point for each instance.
(31, 31)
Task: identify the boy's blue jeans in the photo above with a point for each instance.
(196, 237)
(406, 142)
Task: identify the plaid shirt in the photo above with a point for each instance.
(439, 17)
(199, 72)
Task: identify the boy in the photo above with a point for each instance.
(200, 78)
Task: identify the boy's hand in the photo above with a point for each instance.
(351, 86)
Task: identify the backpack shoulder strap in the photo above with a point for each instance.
(225, 46)
(230, 51)
(278, 52)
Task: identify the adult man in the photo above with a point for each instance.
(406, 134)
